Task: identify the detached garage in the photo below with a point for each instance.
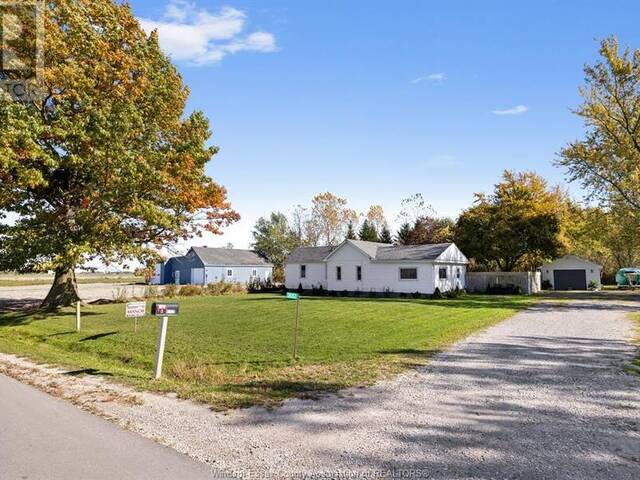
(571, 273)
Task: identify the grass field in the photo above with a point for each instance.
(17, 280)
(236, 351)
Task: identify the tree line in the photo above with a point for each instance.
(524, 221)
(107, 164)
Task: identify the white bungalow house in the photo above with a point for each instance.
(203, 265)
(355, 265)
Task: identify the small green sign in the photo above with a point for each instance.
(293, 296)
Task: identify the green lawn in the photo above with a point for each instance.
(236, 350)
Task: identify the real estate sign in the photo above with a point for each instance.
(293, 296)
(135, 309)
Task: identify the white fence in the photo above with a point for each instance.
(529, 282)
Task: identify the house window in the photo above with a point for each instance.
(254, 273)
(408, 274)
(229, 272)
(442, 273)
(303, 271)
(458, 273)
(338, 273)
(358, 273)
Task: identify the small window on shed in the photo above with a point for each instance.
(458, 273)
(338, 273)
(303, 271)
(408, 274)
(229, 272)
(358, 273)
(254, 272)
(442, 273)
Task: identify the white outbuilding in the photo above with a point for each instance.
(571, 273)
(358, 266)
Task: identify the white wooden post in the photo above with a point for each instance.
(160, 347)
(78, 316)
(295, 330)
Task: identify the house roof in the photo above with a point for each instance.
(412, 252)
(309, 254)
(375, 250)
(229, 256)
(570, 259)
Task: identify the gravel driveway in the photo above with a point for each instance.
(33, 294)
(540, 396)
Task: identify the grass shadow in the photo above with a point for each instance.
(98, 336)
(87, 371)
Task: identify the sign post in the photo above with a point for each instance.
(163, 310)
(135, 310)
(296, 297)
(78, 316)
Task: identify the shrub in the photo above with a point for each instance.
(191, 290)
(151, 292)
(256, 285)
(455, 293)
(300, 290)
(504, 290)
(171, 290)
(593, 285)
(546, 285)
(238, 289)
(437, 294)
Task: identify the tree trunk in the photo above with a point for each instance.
(63, 292)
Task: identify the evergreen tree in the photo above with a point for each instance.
(351, 233)
(385, 235)
(368, 232)
(403, 234)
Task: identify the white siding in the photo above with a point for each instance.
(239, 274)
(452, 281)
(376, 276)
(316, 276)
(571, 262)
(197, 276)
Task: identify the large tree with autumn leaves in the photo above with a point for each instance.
(105, 164)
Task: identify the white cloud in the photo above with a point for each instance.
(432, 77)
(517, 110)
(201, 37)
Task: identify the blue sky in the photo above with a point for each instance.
(375, 100)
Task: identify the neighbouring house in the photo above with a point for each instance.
(356, 265)
(203, 265)
(571, 273)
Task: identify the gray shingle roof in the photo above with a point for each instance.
(309, 254)
(377, 251)
(370, 248)
(229, 256)
(412, 252)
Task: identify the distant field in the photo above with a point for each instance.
(18, 280)
(235, 351)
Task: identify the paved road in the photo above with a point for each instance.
(542, 395)
(43, 438)
(88, 292)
